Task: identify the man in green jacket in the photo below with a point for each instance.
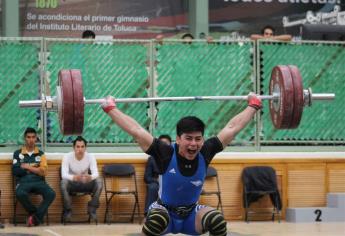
(29, 170)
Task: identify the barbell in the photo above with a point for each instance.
(286, 99)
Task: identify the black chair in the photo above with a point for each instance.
(1, 225)
(213, 174)
(15, 203)
(259, 181)
(88, 220)
(120, 172)
(76, 194)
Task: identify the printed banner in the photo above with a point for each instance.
(147, 18)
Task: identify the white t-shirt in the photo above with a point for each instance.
(71, 166)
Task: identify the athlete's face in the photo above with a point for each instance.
(190, 144)
(30, 140)
(79, 149)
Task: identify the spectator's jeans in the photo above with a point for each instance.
(151, 194)
(69, 188)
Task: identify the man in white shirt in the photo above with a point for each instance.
(80, 174)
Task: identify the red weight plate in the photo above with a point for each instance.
(66, 115)
(281, 110)
(78, 101)
(298, 100)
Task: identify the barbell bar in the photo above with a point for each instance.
(38, 103)
(286, 99)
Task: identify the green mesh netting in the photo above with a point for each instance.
(322, 67)
(117, 69)
(20, 80)
(201, 69)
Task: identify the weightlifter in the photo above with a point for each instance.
(182, 168)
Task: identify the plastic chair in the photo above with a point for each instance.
(213, 174)
(76, 194)
(120, 172)
(15, 203)
(1, 225)
(259, 181)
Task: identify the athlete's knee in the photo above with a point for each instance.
(157, 221)
(214, 222)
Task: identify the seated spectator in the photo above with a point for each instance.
(30, 168)
(79, 173)
(268, 32)
(151, 177)
(88, 34)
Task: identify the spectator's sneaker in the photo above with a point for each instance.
(32, 221)
(93, 216)
(67, 215)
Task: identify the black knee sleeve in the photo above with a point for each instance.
(157, 221)
(213, 221)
